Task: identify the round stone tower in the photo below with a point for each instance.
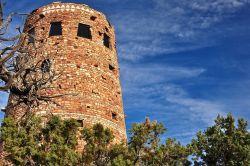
(79, 43)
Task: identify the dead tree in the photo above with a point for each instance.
(11, 47)
(22, 73)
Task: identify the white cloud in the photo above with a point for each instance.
(151, 86)
(199, 110)
(170, 26)
(217, 5)
(152, 74)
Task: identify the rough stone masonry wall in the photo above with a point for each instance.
(89, 70)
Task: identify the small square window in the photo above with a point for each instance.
(31, 37)
(93, 18)
(106, 40)
(84, 31)
(41, 16)
(114, 115)
(55, 29)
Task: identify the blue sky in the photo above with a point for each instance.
(182, 62)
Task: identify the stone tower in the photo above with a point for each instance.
(79, 42)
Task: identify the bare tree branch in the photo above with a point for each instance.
(21, 71)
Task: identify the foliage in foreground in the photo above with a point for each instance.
(223, 144)
(31, 142)
(54, 143)
(28, 143)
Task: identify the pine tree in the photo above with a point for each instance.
(224, 143)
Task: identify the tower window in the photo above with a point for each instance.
(106, 40)
(41, 16)
(111, 67)
(45, 66)
(114, 115)
(31, 37)
(84, 31)
(93, 18)
(55, 29)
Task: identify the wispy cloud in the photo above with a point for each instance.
(170, 26)
(151, 90)
(199, 110)
(152, 74)
(152, 87)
